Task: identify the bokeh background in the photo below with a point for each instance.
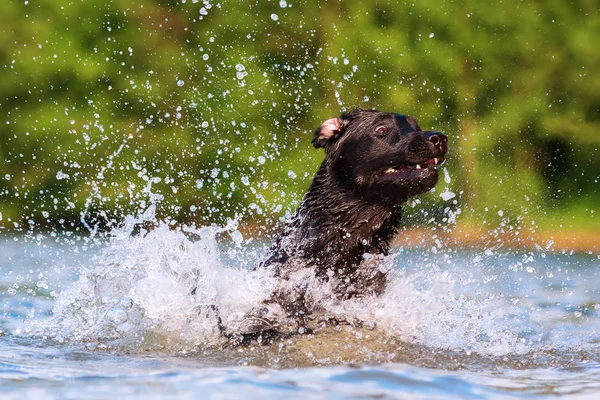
(207, 108)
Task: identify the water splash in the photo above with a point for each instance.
(140, 291)
(162, 286)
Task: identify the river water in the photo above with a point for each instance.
(85, 318)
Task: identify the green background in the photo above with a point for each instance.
(207, 108)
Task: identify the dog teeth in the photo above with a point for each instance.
(390, 170)
(436, 161)
(418, 166)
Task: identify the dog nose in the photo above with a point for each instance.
(438, 139)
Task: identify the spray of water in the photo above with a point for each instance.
(160, 285)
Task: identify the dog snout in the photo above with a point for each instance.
(439, 140)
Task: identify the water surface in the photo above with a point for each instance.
(93, 319)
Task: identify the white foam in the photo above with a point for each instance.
(425, 305)
(139, 295)
(141, 287)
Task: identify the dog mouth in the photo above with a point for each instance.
(424, 165)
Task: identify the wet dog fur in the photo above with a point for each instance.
(374, 162)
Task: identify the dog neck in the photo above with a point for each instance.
(335, 222)
(328, 204)
(332, 229)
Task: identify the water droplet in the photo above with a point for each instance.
(283, 4)
(446, 176)
(237, 237)
(61, 175)
(274, 17)
(291, 174)
(180, 83)
(431, 35)
(447, 194)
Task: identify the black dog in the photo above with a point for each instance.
(374, 162)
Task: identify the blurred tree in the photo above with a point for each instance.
(207, 107)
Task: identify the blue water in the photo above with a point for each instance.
(452, 324)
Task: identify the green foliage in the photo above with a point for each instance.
(209, 106)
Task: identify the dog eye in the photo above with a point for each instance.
(381, 130)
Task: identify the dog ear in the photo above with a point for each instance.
(329, 131)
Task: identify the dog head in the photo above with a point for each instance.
(382, 156)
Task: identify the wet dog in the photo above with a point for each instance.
(374, 162)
